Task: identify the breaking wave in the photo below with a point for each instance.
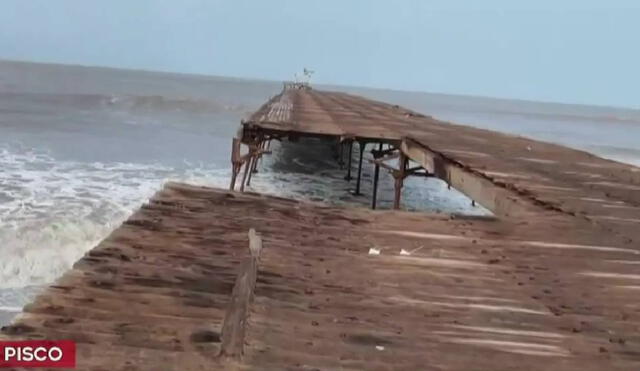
(52, 212)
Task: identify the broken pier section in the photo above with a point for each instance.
(549, 283)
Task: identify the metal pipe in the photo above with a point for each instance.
(252, 165)
(376, 175)
(234, 174)
(398, 193)
(258, 157)
(244, 176)
(348, 176)
(263, 145)
(362, 146)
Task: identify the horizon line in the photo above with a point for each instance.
(263, 79)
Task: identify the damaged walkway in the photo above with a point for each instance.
(496, 170)
(443, 294)
(551, 283)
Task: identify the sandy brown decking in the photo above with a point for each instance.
(553, 293)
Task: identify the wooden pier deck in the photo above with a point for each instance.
(551, 282)
(472, 294)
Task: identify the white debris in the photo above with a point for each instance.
(374, 251)
(407, 253)
(379, 347)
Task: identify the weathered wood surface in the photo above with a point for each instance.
(549, 292)
(235, 319)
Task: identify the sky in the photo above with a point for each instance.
(571, 51)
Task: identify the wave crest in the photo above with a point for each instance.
(142, 103)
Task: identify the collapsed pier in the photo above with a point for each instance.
(551, 282)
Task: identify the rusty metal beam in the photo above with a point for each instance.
(247, 164)
(252, 165)
(349, 155)
(376, 176)
(361, 146)
(380, 152)
(497, 199)
(381, 163)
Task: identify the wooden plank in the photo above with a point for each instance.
(235, 320)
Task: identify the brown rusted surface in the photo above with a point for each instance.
(545, 292)
(544, 175)
(151, 296)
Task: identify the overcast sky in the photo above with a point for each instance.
(579, 51)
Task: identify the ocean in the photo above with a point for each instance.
(82, 147)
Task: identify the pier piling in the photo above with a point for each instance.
(349, 156)
(361, 146)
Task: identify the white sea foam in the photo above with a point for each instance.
(53, 212)
(10, 309)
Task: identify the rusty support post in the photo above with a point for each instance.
(348, 176)
(263, 147)
(259, 154)
(254, 160)
(235, 165)
(376, 175)
(252, 165)
(254, 168)
(244, 175)
(234, 174)
(399, 183)
(362, 146)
